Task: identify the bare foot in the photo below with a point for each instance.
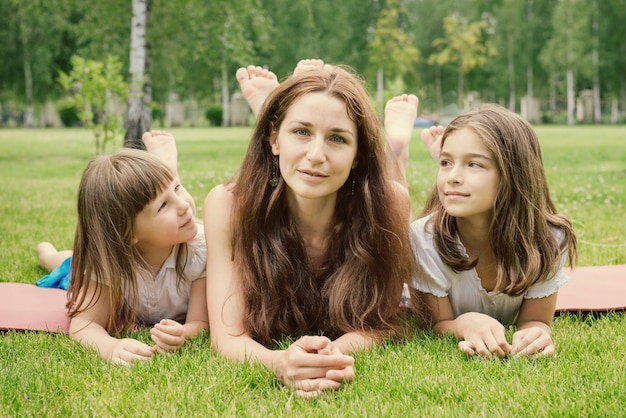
(256, 84)
(163, 145)
(49, 257)
(310, 64)
(400, 114)
(431, 137)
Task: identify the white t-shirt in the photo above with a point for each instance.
(464, 288)
(161, 298)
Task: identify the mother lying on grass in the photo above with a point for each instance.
(311, 240)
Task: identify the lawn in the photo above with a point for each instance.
(44, 374)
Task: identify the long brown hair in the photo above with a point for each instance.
(368, 255)
(524, 246)
(112, 191)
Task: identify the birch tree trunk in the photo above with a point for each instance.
(140, 89)
(511, 71)
(571, 99)
(595, 56)
(380, 87)
(28, 74)
(530, 103)
(225, 97)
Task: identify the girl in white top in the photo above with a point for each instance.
(138, 257)
(490, 245)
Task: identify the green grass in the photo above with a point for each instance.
(46, 374)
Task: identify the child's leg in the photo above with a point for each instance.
(400, 114)
(431, 137)
(49, 257)
(256, 84)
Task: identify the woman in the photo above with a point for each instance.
(311, 238)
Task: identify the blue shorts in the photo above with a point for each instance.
(58, 278)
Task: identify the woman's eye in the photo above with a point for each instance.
(475, 165)
(337, 139)
(444, 163)
(301, 132)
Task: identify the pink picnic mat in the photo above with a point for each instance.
(29, 307)
(597, 288)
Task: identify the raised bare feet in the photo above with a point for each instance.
(400, 114)
(256, 84)
(310, 64)
(162, 145)
(431, 137)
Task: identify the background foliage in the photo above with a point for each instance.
(196, 46)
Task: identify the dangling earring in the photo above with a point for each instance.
(274, 179)
(353, 181)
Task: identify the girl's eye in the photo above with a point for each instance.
(163, 205)
(177, 187)
(444, 163)
(475, 165)
(337, 139)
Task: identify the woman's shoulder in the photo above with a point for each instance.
(219, 200)
(221, 193)
(218, 208)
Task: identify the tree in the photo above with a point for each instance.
(565, 52)
(95, 89)
(220, 37)
(613, 53)
(391, 50)
(140, 90)
(31, 35)
(510, 37)
(463, 45)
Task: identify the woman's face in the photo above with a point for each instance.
(316, 145)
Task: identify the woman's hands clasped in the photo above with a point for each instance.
(312, 365)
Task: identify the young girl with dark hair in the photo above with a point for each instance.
(138, 255)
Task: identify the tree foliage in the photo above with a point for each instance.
(391, 49)
(196, 46)
(464, 46)
(97, 90)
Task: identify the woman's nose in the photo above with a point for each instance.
(316, 150)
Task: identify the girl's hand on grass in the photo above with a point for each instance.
(168, 335)
(482, 334)
(533, 340)
(127, 350)
(312, 365)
